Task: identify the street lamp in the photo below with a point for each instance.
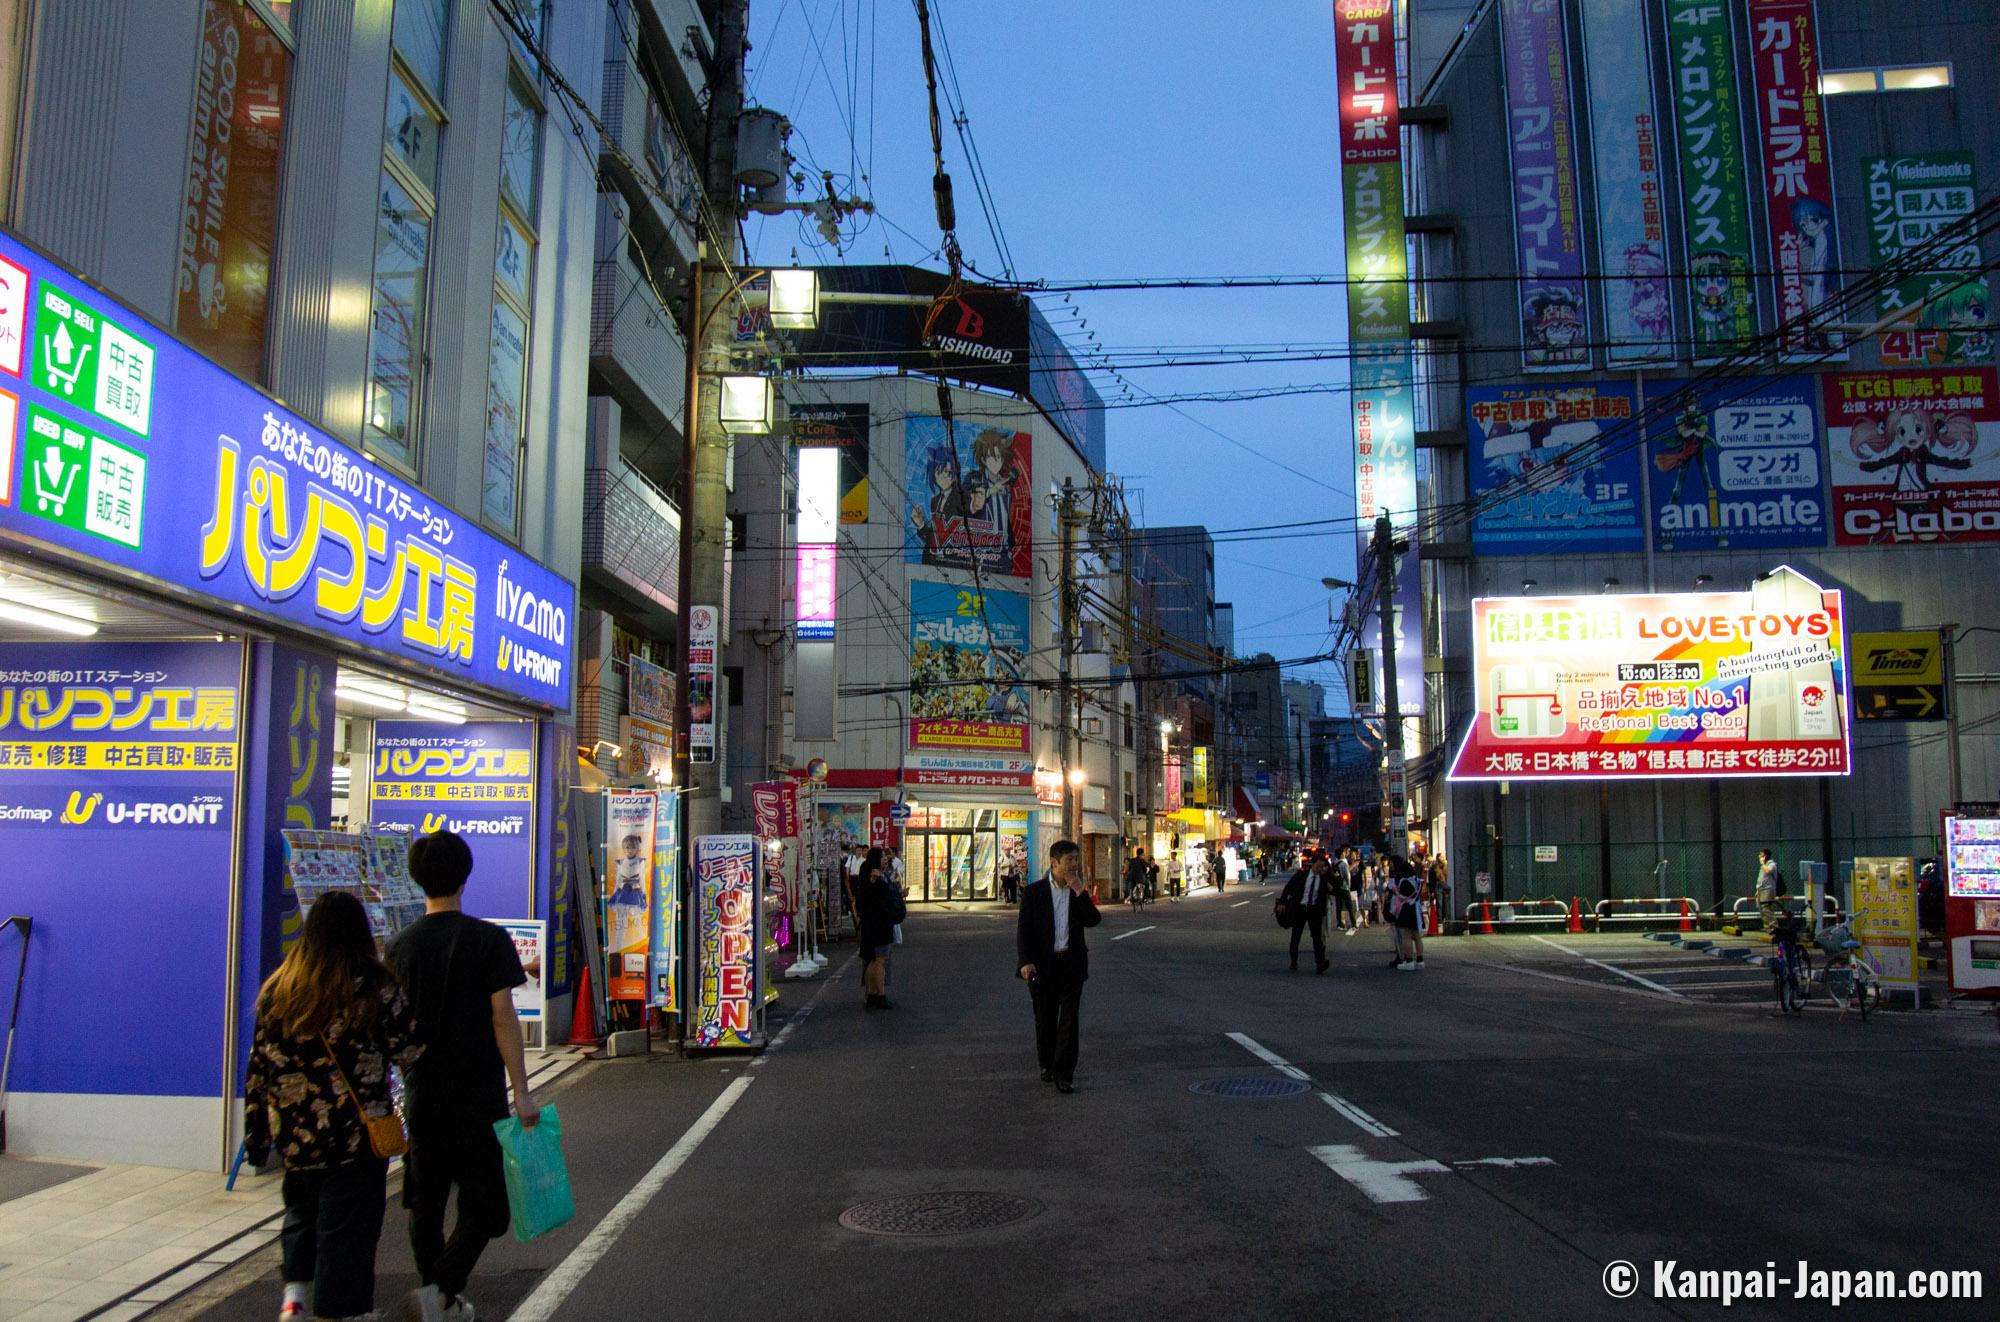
(794, 299)
(748, 405)
(1336, 584)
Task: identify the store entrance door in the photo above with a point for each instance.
(954, 864)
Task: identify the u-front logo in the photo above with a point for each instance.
(80, 809)
(433, 823)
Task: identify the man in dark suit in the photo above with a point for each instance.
(1304, 898)
(1055, 959)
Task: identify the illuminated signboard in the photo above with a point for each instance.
(125, 451)
(818, 527)
(816, 593)
(1705, 684)
(1972, 857)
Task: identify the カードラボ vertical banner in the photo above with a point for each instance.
(1911, 198)
(1631, 202)
(1548, 226)
(1715, 190)
(1798, 173)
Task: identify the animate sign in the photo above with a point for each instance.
(139, 457)
(1678, 684)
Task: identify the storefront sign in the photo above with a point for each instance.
(1545, 447)
(140, 457)
(970, 770)
(1882, 908)
(703, 640)
(727, 892)
(476, 780)
(1171, 788)
(1715, 190)
(530, 939)
(1695, 685)
(650, 744)
(844, 428)
(1915, 455)
(649, 691)
(1911, 198)
(1048, 787)
(1548, 225)
(775, 806)
(1798, 172)
(1738, 465)
(1899, 676)
(664, 929)
(118, 776)
(968, 650)
(971, 500)
(629, 850)
(816, 595)
(1631, 202)
(1197, 789)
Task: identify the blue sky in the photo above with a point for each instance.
(1166, 138)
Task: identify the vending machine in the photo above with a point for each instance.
(1972, 903)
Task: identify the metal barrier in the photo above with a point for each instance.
(27, 925)
(1482, 916)
(1745, 914)
(1649, 909)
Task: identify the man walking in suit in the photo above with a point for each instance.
(1305, 897)
(1055, 959)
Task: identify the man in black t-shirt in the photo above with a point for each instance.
(459, 973)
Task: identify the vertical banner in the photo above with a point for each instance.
(476, 779)
(774, 804)
(1625, 163)
(703, 639)
(1557, 452)
(1715, 190)
(1378, 304)
(1170, 788)
(882, 831)
(1914, 456)
(628, 874)
(665, 926)
(727, 995)
(1910, 199)
(1798, 173)
(1541, 149)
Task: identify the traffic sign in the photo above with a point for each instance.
(899, 813)
(1899, 676)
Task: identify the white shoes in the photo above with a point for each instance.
(424, 1304)
(1407, 965)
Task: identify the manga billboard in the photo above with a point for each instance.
(1910, 199)
(971, 502)
(1737, 464)
(1914, 455)
(1625, 164)
(968, 651)
(1567, 458)
(1798, 171)
(1715, 193)
(1548, 225)
(1683, 684)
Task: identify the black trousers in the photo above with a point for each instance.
(446, 1153)
(1058, 1000)
(333, 1216)
(1343, 904)
(1316, 922)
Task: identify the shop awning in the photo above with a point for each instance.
(1247, 807)
(1269, 831)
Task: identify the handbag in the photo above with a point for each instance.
(385, 1132)
(1283, 913)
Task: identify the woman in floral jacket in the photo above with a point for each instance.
(331, 1018)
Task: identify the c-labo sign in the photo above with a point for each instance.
(121, 448)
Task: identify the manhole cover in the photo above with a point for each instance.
(938, 1213)
(1260, 1085)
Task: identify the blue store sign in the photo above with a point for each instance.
(122, 448)
(475, 779)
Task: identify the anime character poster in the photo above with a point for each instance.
(1715, 194)
(1912, 200)
(1548, 225)
(968, 652)
(1798, 173)
(971, 500)
(1625, 164)
(1736, 464)
(1565, 456)
(1915, 455)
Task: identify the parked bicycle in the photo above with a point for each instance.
(1848, 979)
(1791, 964)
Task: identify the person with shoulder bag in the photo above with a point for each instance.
(330, 1023)
(878, 907)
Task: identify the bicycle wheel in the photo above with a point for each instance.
(1867, 994)
(1838, 980)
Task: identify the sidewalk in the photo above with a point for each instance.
(119, 1240)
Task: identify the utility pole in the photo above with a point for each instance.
(1392, 714)
(705, 457)
(1066, 717)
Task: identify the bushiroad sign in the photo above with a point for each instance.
(1898, 676)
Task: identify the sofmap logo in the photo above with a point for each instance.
(80, 809)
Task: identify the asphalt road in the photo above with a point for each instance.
(1477, 1140)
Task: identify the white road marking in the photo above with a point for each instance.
(1367, 1123)
(1382, 1181)
(1609, 968)
(557, 1286)
(1557, 944)
(1135, 931)
(1269, 1057)
(1582, 982)
(1506, 1161)
(1239, 904)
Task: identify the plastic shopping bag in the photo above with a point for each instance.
(537, 1177)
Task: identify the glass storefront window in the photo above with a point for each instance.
(396, 324)
(506, 379)
(410, 130)
(520, 143)
(418, 31)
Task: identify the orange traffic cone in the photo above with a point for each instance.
(1687, 915)
(1576, 913)
(1485, 918)
(583, 1019)
(1435, 927)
